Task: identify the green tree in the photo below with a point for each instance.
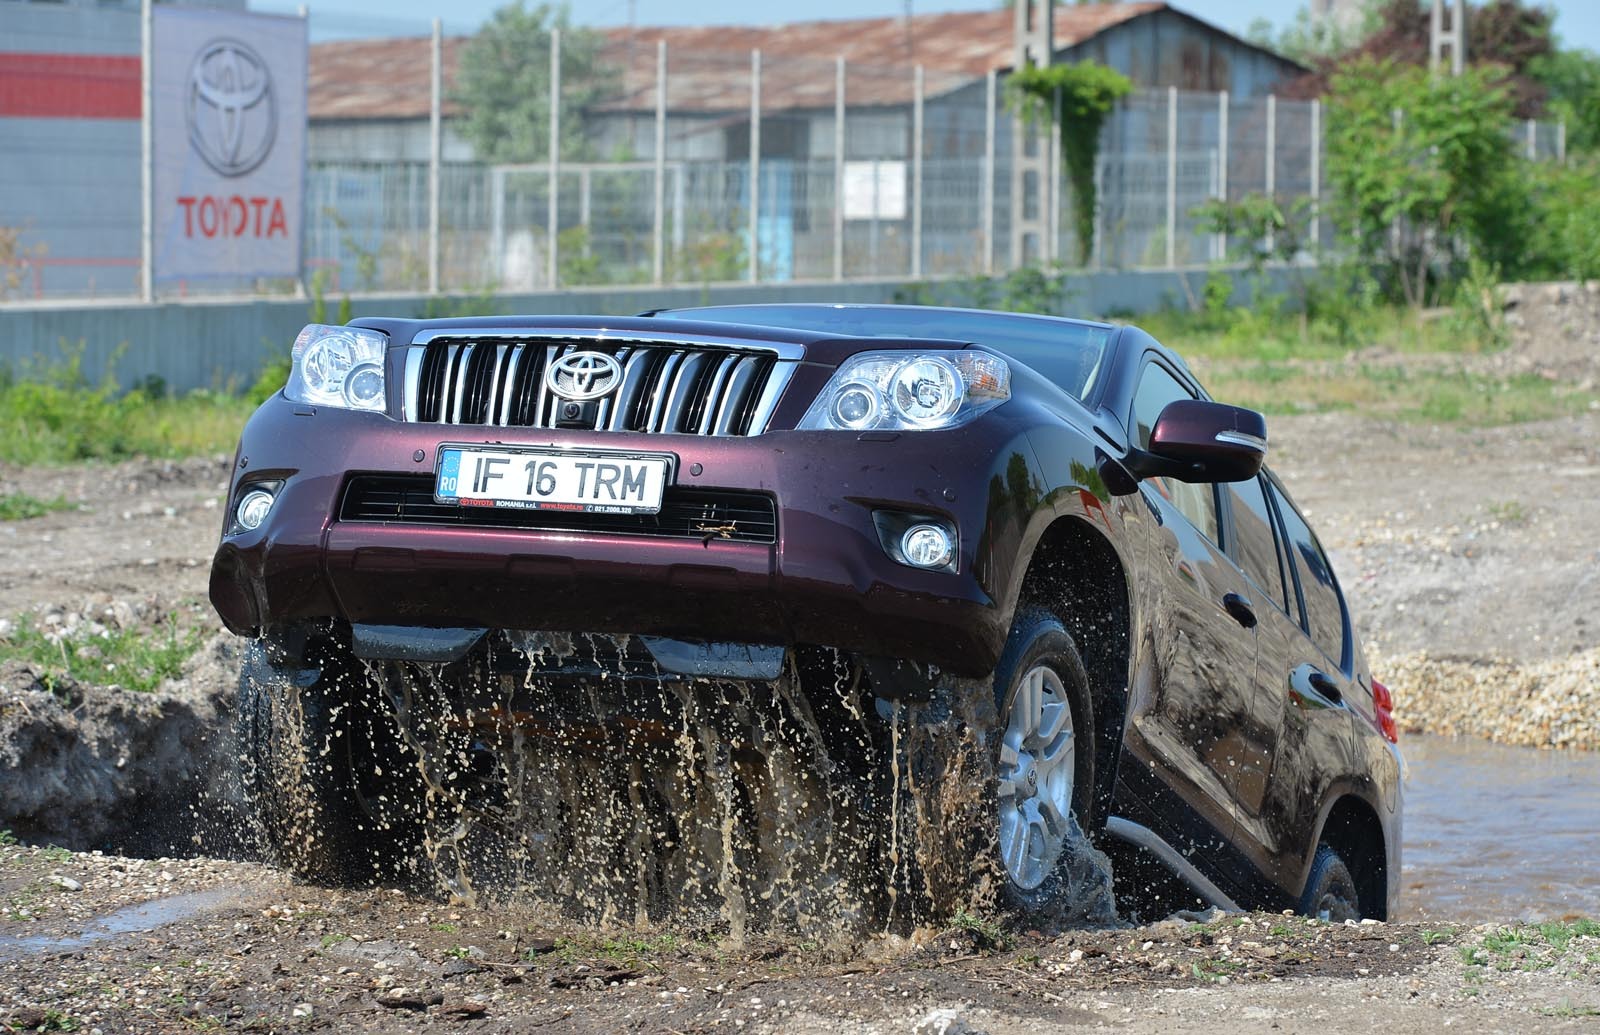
(504, 83)
(1429, 156)
(1571, 79)
(1564, 242)
(1088, 91)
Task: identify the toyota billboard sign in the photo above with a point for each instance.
(229, 106)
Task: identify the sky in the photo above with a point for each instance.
(1577, 21)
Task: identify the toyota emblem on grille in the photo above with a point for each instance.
(583, 375)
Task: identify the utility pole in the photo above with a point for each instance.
(1034, 34)
(1453, 37)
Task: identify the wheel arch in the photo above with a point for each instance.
(1076, 573)
(1351, 826)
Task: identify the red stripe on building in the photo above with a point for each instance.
(68, 86)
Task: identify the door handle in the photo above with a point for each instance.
(1323, 684)
(1241, 609)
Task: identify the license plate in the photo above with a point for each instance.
(551, 479)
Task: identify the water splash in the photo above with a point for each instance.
(569, 773)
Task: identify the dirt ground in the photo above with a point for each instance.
(1472, 562)
(241, 948)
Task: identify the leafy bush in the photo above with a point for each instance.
(1562, 240)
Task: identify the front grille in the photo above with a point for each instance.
(665, 387)
(740, 517)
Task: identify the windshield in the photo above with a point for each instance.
(1068, 352)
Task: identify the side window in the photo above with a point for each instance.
(1198, 503)
(1252, 542)
(1324, 610)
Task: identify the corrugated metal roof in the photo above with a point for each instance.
(709, 66)
(378, 78)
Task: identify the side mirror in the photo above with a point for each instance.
(1199, 441)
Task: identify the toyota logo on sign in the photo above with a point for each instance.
(233, 116)
(581, 376)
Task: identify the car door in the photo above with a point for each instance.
(1254, 545)
(1191, 691)
(1300, 719)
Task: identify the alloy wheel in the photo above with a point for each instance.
(1038, 756)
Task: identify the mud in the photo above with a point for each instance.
(296, 958)
(106, 768)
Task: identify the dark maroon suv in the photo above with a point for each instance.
(920, 495)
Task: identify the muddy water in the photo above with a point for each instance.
(721, 805)
(1495, 833)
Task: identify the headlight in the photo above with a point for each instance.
(907, 391)
(338, 366)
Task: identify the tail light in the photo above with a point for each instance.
(1383, 705)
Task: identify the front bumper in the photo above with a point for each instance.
(826, 581)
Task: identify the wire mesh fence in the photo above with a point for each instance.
(699, 166)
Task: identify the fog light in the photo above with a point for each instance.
(253, 509)
(927, 546)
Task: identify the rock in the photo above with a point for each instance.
(64, 883)
(410, 1000)
(944, 1021)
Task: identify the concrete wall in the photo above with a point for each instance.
(218, 344)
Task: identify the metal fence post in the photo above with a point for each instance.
(1316, 174)
(916, 174)
(838, 168)
(658, 235)
(1532, 131)
(1561, 142)
(755, 165)
(147, 185)
(1397, 119)
(497, 220)
(553, 215)
(988, 172)
(1272, 158)
(435, 151)
(1172, 177)
(1221, 241)
(1050, 244)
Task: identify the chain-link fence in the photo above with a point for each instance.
(693, 167)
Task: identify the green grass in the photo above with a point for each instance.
(1507, 512)
(136, 659)
(1420, 396)
(1268, 335)
(985, 929)
(52, 413)
(1560, 933)
(19, 506)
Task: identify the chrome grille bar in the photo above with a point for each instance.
(667, 385)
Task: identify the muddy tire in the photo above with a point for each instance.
(1330, 889)
(321, 768)
(1045, 766)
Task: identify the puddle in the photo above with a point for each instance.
(142, 916)
(1497, 833)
